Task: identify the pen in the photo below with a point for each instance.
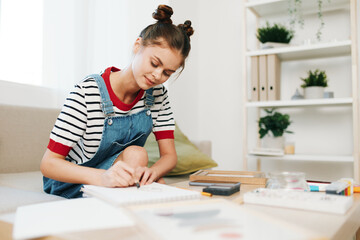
(136, 183)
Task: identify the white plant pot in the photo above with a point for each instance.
(313, 92)
(273, 45)
(272, 142)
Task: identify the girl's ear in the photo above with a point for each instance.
(137, 45)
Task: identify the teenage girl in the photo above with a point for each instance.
(99, 135)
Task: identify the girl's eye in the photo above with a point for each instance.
(154, 64)
(167, 74)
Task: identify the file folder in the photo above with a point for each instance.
(263, 90)
(273, 77)
(254, 78)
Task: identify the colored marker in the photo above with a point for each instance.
(206, 194)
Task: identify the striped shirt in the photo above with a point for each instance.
(79, 126)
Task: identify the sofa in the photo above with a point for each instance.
(24, 135)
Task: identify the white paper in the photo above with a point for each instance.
(67, 216)
(152, 193)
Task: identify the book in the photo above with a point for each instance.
(152, 193)
(218, 176)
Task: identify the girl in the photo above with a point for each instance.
(99, 135)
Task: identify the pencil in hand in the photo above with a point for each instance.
(137, 184)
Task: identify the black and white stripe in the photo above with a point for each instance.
(80, 123)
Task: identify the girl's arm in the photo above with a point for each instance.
(55, 166)
(165, 164)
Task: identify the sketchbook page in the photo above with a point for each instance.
(67, 216)
(152, 193)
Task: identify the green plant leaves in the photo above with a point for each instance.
(316, 78)
(275, 122)
(276, 33)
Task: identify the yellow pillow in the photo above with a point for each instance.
(190, 158)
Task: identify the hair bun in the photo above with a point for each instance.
(187, 28)
(163, 14)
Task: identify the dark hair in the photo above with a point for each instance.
(177, 37)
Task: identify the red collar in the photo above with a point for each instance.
(116, 101)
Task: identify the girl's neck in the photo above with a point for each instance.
(124, 85)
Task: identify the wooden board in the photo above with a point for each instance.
(245, 177)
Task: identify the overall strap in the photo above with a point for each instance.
(149, 98)
(106, 103)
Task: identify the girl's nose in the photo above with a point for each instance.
(157, 73)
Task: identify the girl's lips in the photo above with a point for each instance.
(149, 82)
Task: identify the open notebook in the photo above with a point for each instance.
(152, 193)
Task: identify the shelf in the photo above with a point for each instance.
(321, 50)
(255, 13)
(302, 157)
(302, 103)
(264, 8)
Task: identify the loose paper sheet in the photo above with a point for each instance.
(67, 216)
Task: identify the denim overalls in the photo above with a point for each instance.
(119, 132)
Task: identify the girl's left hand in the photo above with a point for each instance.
(147, 175)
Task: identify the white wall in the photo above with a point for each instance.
(207, 96)
(84, 37)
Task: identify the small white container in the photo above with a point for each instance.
(313, 92)
(272, 142)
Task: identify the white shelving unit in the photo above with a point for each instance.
(303, 157)
(265, 8)
(321, 50)
(302, 103)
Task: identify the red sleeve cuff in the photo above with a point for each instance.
(58, 148)
(164, 135)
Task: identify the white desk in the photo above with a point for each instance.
(319, 225)
(315, 224)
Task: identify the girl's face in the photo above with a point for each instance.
(153, 64)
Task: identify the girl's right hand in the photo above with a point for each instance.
(118, 175)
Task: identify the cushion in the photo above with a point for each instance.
(190, 158)
(11, 198)
(24, 135)
(30, 181)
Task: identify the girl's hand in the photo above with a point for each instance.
(147, 175)
(118, 175)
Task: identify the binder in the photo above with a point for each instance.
(273, 77)
(254, 78)
(263, 78)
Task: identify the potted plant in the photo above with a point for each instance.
(314, 84)
(274, 36)
(272, 127)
